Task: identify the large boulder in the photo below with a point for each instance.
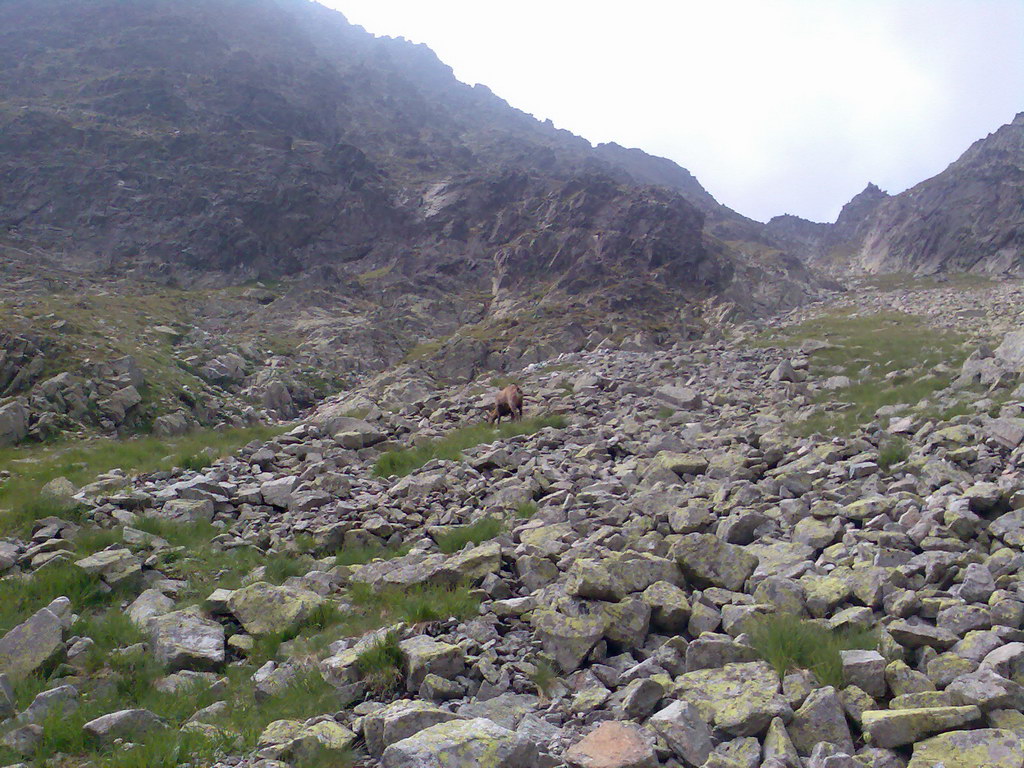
(888, 728)
(117, 567)
(13, 423)
(35, 643)
(983, 748)
(613, 745)
(1011, 350)
(477, 743)
(742, 699)
(264, 609)
(707, 561)
(400, 720)
(567, 639)
(686, 734)
(125, 724)
(185, 640)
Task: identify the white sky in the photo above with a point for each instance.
(777, 106)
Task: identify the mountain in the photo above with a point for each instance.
(970, 217)
(300, 205)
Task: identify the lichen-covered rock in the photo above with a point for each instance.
(983, 748)
(264, 609)
(33, 644)
(185, 640)
(424, 655)
(739, 698)
(894, 728)
(685, 732)
(616, 577)
(820, 718)
(670, 608)
(400, 720)
(117, 567)
(152, 602)
(477, 743)
(706, 560)
(567, 639)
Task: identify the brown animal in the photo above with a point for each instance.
(508, 402)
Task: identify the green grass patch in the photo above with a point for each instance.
(32, 467)
(381, 665)
(893, 451)
(790, 642)
(526, 509)
(21, 597)
(868, 349)
(544, 677)
(482, 530)
(403, 461)
(414, 605)
(363, 555)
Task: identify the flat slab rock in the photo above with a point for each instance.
(477, 743)
(984, 748)
(613, 745)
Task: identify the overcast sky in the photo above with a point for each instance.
(777, 106)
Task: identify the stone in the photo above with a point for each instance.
(778, 747)
(23, 741)
(615, 578)
(866, 670)
(821, 718)
(13, 423)
(612, 745)
(477, 743)
(680, 463)
(152, 602)
(424, 655)
(8, 706)
(706, 560)
(185, 640)
(894, 728)
(1011, 350)
(640, 697)
(567, 639)
(125, 724)
(117, 567)
(278, 493)
(742, 699)
(505, 709)
(264, 609)
(399, 720)
(685, 732)
(63, 699)
(683, 398)
(319, 743)
(61, 491)
(188, 510)
(34, 644)
(983, 748)
(919, 635)
(987, 690)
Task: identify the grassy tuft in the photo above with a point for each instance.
(403, 461)
(544, 677)
(482, 530)
(414, 605)
(381, 665)
(526, 509)
(363, 555)
(893, 451)
(790, 642)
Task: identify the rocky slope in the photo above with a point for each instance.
(608, 614)
(407, 217)
(966, 219)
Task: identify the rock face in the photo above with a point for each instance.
(967, 218)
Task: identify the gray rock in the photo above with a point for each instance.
(13, 423)
(475, 743)
(685, 732)
(821, 718)
(34, 644)
(866, 670)
(150, 603)
(124, 724)
(400, 720)
(185, 640)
